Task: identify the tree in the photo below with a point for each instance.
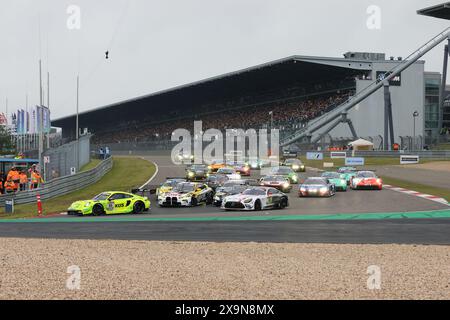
(6, 143)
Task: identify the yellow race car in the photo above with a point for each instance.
(110, 202)
(168, 185)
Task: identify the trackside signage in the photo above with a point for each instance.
(338, 155)
(409, 159)
(354, 161)
(314, 156)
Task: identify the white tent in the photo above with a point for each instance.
(361, 144)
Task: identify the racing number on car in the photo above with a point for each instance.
(111, 205)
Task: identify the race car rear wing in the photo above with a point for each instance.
(143, 192)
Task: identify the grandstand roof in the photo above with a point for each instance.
(441, 11)
(264, 77)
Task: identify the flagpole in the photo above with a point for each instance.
(39, 111)
(48, 107)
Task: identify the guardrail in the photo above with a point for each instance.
(61, 186)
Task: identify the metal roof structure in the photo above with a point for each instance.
(441, 11)
(291, 68)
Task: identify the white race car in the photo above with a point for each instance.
(231, 173)
(256, 199)
(187, 194)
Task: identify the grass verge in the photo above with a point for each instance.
(91, 165)
(125, 174)
(435, 191)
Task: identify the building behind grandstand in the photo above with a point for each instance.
(285, 94)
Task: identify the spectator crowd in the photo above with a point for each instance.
(285, 114)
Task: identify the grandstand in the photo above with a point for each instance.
(296, 89)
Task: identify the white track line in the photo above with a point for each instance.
(154, 175)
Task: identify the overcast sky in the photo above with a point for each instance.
(156, 45)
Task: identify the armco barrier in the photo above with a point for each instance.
(62, 186)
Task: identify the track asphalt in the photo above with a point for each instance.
(350, 217)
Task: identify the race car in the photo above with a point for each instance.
(336, 179)
(242, 168)
(317, 187)
(366, 180)
(295, 164)
(168, 185)
(229, 188)
(230, 173)
(347, 173)
(285, 172)
(216, 165)
(256, 199)
(278, 182)
(110, 202)
(196, 172)
(185, 158)
(187, 194)
(215, 181)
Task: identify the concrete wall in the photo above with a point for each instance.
(368, 116)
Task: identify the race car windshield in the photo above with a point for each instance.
(170, 184)
(282, 170)
(198, 167)
(346, 170)
(293, 161)
(331, 175)
(275, 178)
(232, 189)
(254, 192)
(231, 184)
(366, 175)
(102, 196)
(184, 188)
(310, 182)
(226, 171)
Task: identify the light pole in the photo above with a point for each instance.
(271, 120)
(415, 115)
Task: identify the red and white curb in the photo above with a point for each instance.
(418, 194)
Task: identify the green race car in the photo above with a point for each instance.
(336, 179)
(286, 172)
(295, 164)
(347, 173)
(110, 202)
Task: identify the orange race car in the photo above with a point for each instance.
(216, 165)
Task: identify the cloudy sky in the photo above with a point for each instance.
(156, 45)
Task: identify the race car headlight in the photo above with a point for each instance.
(294, 178)
(209, 167)
(323, 190)
(248, 200)
(87, 204)
(192, 157)
(379, 181)
(295, 167)
(191, 174)
(303, 189)
(286, 185)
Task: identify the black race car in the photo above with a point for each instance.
(196, 172)
(229, 188)
(216, 180)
